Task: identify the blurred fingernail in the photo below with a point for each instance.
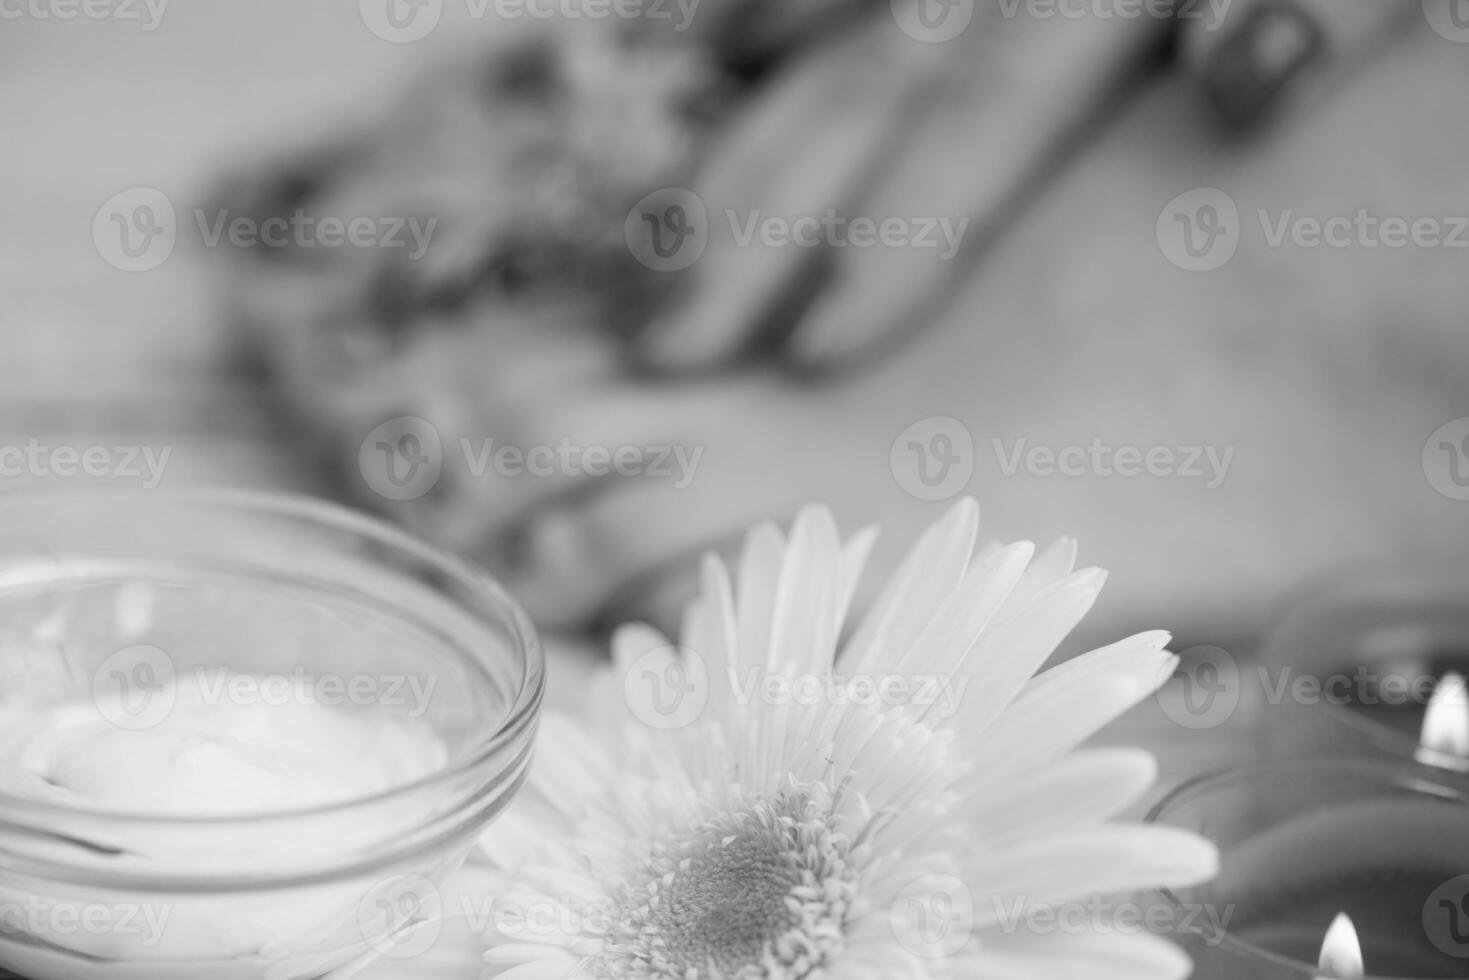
(682, 342)
(1259, 57)
(660, 604)
(816, 341)
(834, 336)
(558, 580)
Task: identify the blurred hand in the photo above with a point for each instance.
(1313, 373)
(938, 140)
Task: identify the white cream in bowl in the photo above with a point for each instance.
(208, 755)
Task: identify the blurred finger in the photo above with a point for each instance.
(621, 556)
(806, 145)
(515, 418)
(749, 34)
(1025, 90)
(661, 595)
(1266, 51)
(610, 546)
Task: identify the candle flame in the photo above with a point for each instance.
(1446, 723)
(1341, 952)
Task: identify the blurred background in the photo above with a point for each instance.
(583, 288)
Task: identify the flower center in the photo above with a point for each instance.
(759, 892)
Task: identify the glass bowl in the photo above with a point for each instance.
(1303, 841)
(124, 609)
(1375, 645)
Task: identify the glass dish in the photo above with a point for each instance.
(1303, 841)
(110, 595)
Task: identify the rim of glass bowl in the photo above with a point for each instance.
(1391, 774)
(496, 604)
(1399, 582)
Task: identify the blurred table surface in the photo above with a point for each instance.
(93, 356)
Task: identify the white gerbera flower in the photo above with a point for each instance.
(771, 802)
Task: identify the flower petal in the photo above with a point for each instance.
(1104, 860)
(803, 630)
(1087, 787)
(930, 573)
(1005, 656)
(1095, 956)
